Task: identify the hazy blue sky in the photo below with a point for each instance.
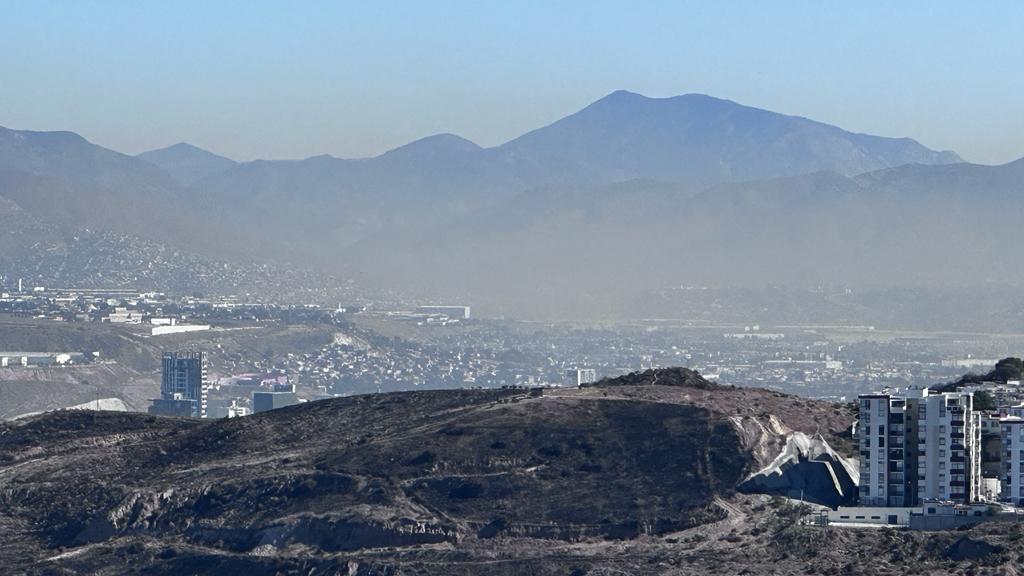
(284, 80)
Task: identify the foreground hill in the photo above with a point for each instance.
(636, 475)
(335, 480)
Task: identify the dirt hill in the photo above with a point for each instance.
(630, 473)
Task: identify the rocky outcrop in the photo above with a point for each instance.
(808, 469)
(965, 548)
(680, 377)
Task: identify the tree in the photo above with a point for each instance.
(1007, 369)
(983, 400)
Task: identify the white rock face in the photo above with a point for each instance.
(109, 404)
(808, 468)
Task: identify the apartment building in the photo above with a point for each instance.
(948, 436)
(884, 479)
(1012, 485)
(183, 386)
(919, 446)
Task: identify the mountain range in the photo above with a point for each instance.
(665, 188)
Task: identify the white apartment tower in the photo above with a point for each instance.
(920, 446)
(948, 448)
(1012, 486)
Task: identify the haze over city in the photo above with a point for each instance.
(577, 288)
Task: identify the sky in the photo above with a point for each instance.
(295, 79)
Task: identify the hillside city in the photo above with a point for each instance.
(948, 449)
(511, 288)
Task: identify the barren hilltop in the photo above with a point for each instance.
(640, 474)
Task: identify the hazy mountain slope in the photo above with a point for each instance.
(700, 140)
(574, 207)
(187, 163)
(694, 140)
(69, 157)
(61, 178)
(575, 250)
(89, 216)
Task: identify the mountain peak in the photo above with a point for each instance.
(434, 145)
(44, 138)
(179, 148)
(625, 97)
(702, 140)
(187, 163)
(185, 147)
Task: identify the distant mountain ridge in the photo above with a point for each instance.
(703, 140)
(69, 157)
(629, 185)
(187, 163)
